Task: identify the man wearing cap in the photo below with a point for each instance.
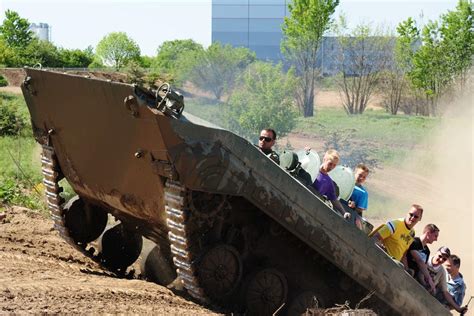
(438, 275)
(266, 140)
(397, 235)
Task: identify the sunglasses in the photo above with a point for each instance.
(413, 215)
(267, 139)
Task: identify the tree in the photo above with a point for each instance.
(116, 49)
(263, 98)
(430, 72)
(146, 61)
(408, 41)
(135, 73)
(396, 87)
(214, 69)
(303, 30)
(444, 56)
(391, 87)
(394, 83)
(364, 54)
(458, 39)
(40, 52)
(16, 30)
(169, 52)
(76, 58)
(7, 54)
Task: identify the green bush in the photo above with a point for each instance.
(11, 123)
(14, 192)
(3, 81)
(8, 190)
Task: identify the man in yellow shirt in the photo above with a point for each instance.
(397, 235)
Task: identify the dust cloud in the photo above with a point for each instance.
(440, 178)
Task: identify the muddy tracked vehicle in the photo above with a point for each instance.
(235, 228)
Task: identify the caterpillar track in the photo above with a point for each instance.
(177, 214)
(230, 225)
(55, 202)
(51, 178)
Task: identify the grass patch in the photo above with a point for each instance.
(20, 173)
(374, 125)
(393, 136)
(20, 166)
(214, 113)
(20, 158)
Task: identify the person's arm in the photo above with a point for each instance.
(378, 239)
(404, 260)
(359, 210)
(452, 303)
(424, 270)
(338, 206)
(459, 293)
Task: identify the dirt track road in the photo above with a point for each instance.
(40, 273)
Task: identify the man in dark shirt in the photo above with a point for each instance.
(266, 140)
(418, 254)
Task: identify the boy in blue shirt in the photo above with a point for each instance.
(359, 199)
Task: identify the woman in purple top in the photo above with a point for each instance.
(324, 184)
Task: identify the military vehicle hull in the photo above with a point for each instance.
(238, 230)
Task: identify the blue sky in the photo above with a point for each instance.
(78, 24)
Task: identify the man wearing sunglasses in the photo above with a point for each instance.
(396, 236)
(438, 274)
(266, 140)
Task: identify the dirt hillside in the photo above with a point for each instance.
(40, 274)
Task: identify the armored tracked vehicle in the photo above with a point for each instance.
(232, 226)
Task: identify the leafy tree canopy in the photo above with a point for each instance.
(444, 55)
(214, 69)
(76, 58)
(116, 49)
(7, 54)
(16, 30)
(406, 43)
(41, 52)
(303, 30)
(458, 38)
(263, 98)
(170, 51)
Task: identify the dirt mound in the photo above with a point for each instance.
(42, 274)
(104, 75)
(14, 76)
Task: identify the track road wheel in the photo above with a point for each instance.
(120, 247)
(85, 221)
(266, 292)
(303, 303)
(158, 268)
(220, 271)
